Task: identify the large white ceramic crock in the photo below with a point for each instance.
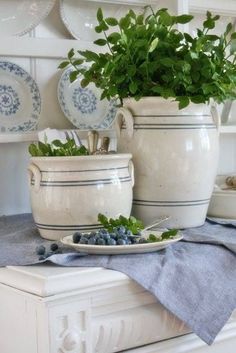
(67, 193)
(175, 154)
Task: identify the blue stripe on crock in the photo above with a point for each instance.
(170, 203)
(172, 126)
(67, 183)
(71, 227)
(84, 170)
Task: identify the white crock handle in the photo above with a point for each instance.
(216, 117)
(131, 172)
(123, 114)
(34, 171)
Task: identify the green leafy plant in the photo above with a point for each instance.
(57, 149)
(131, 223)
(148, 56)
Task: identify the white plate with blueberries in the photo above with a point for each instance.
(104, 243)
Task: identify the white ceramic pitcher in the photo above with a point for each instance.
(175, 154)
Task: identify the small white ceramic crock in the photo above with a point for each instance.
(67, 193)
(175, 154)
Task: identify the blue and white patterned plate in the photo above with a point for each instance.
(82, 106)
(20, 102)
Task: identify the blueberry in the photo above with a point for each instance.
(111, 241)
(50, 253)
(54, 247)
(83, 240)
(129, 233)
(121, 242)
(76, 237)
(133, 240)
(103, 231)
(42, 257)
(40, 250)
(92, 234)
(101, 241)
(92, 241)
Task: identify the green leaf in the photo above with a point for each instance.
(188, 38)
(33, 150)
(153, 45)
(99, 15)
(73, 76)
(84, 83)
(78, 62)
(183, 102)
(229, 28)
(111, 21)
(209, 24)
(63, 64)
(114, 37)
(167, 62)
(57, 143)
(166, 19)
(89, 55)
(124, 22)
(169, 234)
(133, 87)
(71, 53)
(184, 19)
(98, 29)
(152, 238)
(100, 42)
(233, 46)
(233, 36)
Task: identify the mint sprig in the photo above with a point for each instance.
(131, 223)
(57, 149)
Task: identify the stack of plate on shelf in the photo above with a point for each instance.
(223, 200)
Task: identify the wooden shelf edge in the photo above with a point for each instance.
(33, 135)
(18, 137)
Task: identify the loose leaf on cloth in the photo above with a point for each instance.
(195, 281)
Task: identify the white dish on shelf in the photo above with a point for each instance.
(80, 16)
(20, 102)
(122, 249)
(18, 17)
(82, 106)
(223, 202)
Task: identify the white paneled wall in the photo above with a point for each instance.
(55, 39)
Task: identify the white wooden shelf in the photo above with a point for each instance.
(224, 8)
(42, 47)
(33, 135)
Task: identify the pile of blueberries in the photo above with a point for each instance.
(119, 235)
(42, 252)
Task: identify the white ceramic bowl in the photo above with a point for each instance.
(67, 193)
(223, 202)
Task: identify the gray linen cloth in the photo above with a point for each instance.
(195, 278)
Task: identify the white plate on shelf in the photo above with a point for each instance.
(80, 16)
(18, 17)
(20, 102)
(82, 106)
(121, 249)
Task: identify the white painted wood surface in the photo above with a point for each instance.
(52, 309)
